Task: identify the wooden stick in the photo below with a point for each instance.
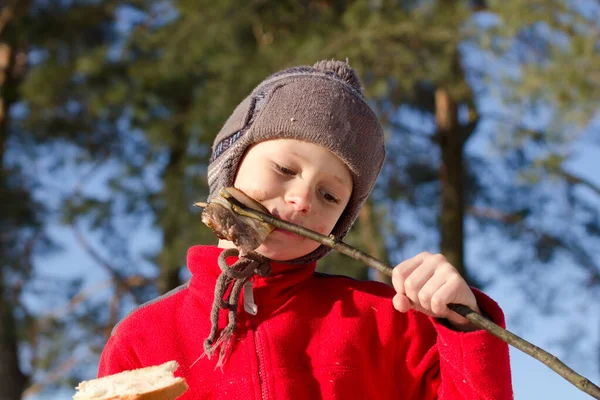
(534, 351)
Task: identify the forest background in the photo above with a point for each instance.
(108, 110)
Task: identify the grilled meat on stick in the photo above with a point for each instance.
(245, 232)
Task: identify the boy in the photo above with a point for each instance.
(306, 145)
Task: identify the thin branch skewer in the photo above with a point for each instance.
(508, 337)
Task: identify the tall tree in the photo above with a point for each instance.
(22, 216)
(48, 101)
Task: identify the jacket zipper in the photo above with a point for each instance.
(251, 308)
(261, 371)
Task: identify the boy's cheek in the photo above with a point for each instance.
(256, 193)
(323, 229)
(324, 223)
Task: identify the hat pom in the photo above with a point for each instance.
(341, 69)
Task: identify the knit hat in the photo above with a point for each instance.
(322, 104)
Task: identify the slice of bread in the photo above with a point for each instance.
(150, 383)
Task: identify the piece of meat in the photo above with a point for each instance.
(245, 232)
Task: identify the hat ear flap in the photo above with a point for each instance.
(239, 118)
(234, 127)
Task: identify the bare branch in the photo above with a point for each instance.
(119, 280)
(572, 246)
(44, 323)
(54, 376)
(577, 180)
(494, 214)
(114, 312)
(68, 308)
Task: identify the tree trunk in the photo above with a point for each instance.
(12, 379)
(174, 191)
(451, 140)
(172, 224)
(372, 238)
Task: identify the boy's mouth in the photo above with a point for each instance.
(288, 233)
(276, 214)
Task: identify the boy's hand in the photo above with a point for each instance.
(428, 283)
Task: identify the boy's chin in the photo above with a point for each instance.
(278, 254)
(277, 251)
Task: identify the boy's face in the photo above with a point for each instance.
(299, 182)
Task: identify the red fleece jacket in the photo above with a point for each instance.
(314, 336)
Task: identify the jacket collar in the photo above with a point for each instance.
(275, 289)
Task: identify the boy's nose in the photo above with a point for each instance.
(300, 200)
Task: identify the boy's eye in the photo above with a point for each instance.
(330, 198)
(284, 170)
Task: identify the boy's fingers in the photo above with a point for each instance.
(429, 290)
(403, 270)
(445, 295)
(413, 285)
(401, 303)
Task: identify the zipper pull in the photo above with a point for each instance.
(249, 306)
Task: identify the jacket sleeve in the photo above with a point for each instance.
(117, 357)
(436, 362)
